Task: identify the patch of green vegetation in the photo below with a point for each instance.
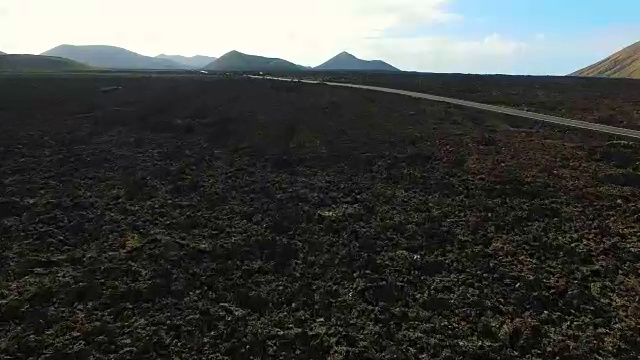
(131, 242)
(306, 139)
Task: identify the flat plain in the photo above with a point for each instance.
(614, 102)
(207, 217)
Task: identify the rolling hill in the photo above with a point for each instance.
(192, 62)
(346, 61)
(38, 63)
(237, 61)
(111, 57)
(624, 63)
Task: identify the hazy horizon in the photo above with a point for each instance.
(528, 37)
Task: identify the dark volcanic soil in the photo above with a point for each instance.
(206, 218)
(614, 102)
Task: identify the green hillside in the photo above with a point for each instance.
(624, 63)
(346, 61)
(38, 63)
(237, 61)
(111, 57)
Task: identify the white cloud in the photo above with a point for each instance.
(408, 13)
(303, 31)
(491, 54)
(306, 32)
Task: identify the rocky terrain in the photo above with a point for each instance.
(201, 217)
(614, 102)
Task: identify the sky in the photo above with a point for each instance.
(537, 37)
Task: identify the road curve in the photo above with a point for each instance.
(498, 109)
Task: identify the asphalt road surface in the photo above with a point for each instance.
(498, 109)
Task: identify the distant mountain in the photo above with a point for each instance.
(346, 61)
(624, 63)
(1, 53)
(111, 57)
(193, 62)
(38, 63)
(237, 61)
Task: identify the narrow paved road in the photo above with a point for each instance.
(498, 109)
